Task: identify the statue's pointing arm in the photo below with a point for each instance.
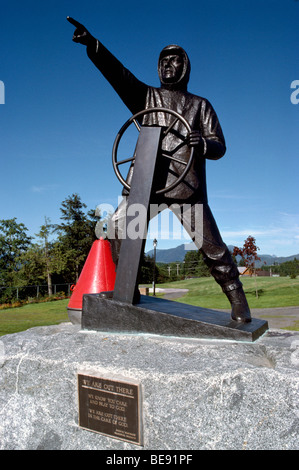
(131, 90)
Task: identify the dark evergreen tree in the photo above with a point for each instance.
(75, 234)
(14, 242)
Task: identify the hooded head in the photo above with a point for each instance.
(183, 67)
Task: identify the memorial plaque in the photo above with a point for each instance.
(110, 406)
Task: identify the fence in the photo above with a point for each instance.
(36, 291)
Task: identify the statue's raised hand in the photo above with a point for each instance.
(81, 35)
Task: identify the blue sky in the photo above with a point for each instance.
(60, 116)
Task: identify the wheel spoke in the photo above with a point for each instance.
(170, 127)
(125, 161)
(174, 159)
(137, 125)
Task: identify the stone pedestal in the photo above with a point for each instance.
(196, 393)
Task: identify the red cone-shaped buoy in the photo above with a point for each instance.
(98, 275)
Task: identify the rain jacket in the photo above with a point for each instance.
(200, 114)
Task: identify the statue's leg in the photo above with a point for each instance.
(206, 236)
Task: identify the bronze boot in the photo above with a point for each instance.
(240, 308)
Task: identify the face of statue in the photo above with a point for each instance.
(171, 68)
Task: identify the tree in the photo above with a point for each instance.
(51, 254)
(13, 243)
(75, 234)
(42, 260)
(31, 266)
(147, 270)
(248, 254)
(289, 268)
(194, 264)
(43, 234)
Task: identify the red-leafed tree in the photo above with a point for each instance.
(249, 255)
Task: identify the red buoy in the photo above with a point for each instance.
(98, 275)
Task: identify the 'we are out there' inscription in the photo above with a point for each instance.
(110, 407)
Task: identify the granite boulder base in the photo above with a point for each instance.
(196, 393)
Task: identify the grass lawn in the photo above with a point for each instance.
(13, 320)
(272, 292)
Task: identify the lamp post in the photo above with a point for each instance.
(155, 243)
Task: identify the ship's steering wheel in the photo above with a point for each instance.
(134, 119)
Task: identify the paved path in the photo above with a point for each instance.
(170, 294)
(279, 317)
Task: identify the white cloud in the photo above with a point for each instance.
(44, 188)
(247, 232)
(282, 240)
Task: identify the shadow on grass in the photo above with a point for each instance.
(260, 292)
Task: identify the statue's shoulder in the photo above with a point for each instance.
(197, 98)
(202, 102)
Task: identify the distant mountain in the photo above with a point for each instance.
(272, 259)
(172, 255)
(269, 260)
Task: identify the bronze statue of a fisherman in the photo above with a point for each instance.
(206, 138)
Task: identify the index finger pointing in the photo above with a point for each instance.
(74, 22)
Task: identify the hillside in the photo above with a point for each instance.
(178, 254)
